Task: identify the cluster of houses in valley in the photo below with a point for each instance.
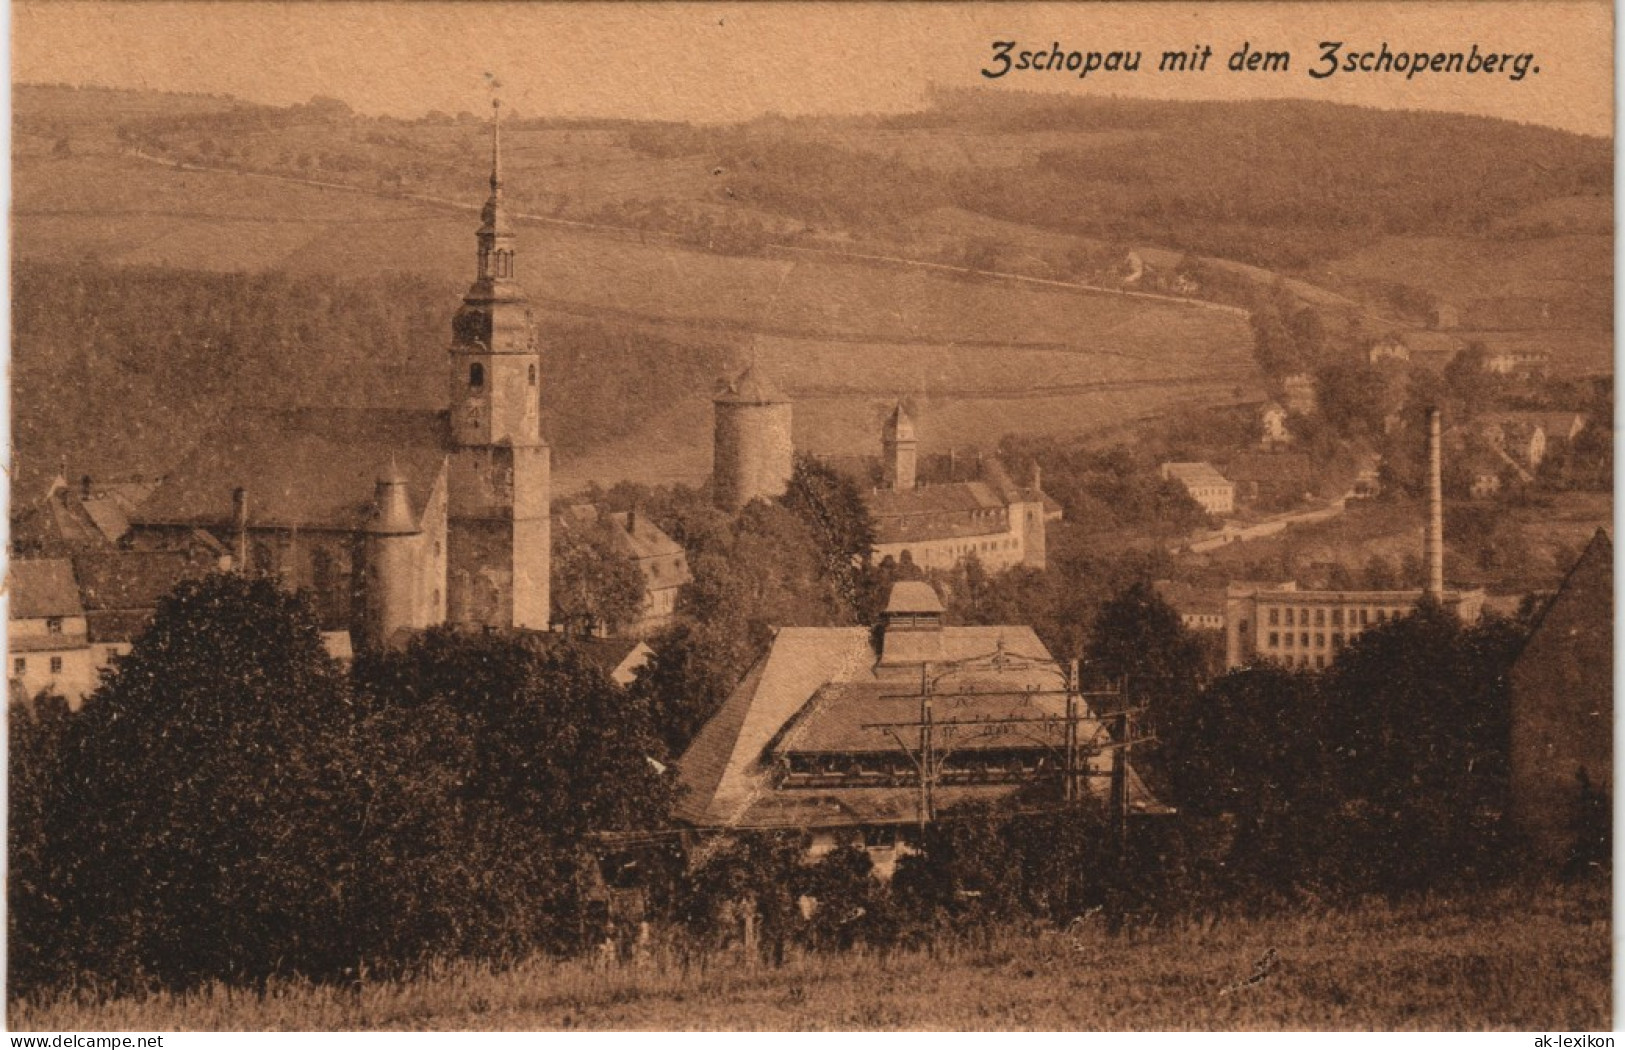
(397, 521)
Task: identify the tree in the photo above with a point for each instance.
(596, 585)
(1416, 729)
(1139, 637)
(195, 811)
(489, 761)
(832, 507)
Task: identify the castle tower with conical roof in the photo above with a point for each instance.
(753, 449)
(900, 450)
(498, 530)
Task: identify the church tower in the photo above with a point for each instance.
(900, 450)
(498, 542)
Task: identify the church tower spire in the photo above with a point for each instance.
(498, 527)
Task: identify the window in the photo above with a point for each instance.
(56, 665)
(1275, 617)
(1289, 617)
(1289, 639)
(1365, 617)
(1320, 640)
(1320, 617)
(1243, 629)
(54, 625)
(532, 375)
(476, 374)
(1382, 615)
(1337, 617)
(1337, 641)
(1320, 662)
(1303, 639)
(19, 666)
(1275, 640)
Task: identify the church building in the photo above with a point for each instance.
(397, 520)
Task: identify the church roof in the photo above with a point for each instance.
(302, 468)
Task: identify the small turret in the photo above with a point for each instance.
(900, 450)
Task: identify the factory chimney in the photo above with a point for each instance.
(1433, 540)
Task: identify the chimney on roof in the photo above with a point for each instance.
(84, 487)
(1433, 540)
(1038, 478)
(239, 527)
(632, 521)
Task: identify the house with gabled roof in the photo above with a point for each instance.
(46, 633)
(1562, 695)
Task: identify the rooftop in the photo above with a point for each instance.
(43, 588)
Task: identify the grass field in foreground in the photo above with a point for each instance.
(1533, 959)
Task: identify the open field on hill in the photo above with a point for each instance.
(1530, 959)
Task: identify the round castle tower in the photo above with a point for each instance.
(753, 451)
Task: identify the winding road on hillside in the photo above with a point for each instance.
(642, 234)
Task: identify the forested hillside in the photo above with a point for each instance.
(118, 370)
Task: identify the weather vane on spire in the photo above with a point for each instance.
(496, 134)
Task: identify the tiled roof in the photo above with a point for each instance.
(720, 772)
(123, 580)
(43, 588)
(303, 468)
(948, 511)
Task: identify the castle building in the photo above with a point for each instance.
(938, 526)
(397, 520)
(754, 451)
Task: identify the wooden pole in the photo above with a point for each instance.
(1119, 793)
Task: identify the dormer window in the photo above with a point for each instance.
(476, 375)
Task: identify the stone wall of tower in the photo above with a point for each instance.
(498, 541)
(900, 456)
(754, 452)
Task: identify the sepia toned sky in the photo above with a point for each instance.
(724, 62)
